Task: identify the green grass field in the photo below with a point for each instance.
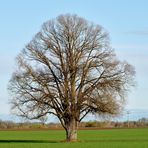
(116, 138)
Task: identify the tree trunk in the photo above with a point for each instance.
(71, 132)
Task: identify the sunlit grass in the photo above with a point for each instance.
(117, 138)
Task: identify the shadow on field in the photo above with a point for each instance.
(30, 141)
(79, 141)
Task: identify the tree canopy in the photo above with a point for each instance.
(69, 70)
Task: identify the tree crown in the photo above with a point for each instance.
(69, 69)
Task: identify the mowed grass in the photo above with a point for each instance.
(115, 138)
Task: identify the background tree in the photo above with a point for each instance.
(69, 70)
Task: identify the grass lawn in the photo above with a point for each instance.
(115, 138)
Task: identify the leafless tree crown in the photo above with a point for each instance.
(69, 69)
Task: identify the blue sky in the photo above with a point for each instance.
(126, 21)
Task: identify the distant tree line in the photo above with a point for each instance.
(27, 125)
(143, 122)
(6, 125)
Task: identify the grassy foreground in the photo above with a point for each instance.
(117, 138)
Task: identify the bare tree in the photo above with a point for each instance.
(69, 70)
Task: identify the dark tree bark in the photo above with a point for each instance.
(69, 70)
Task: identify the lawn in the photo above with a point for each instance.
(115, 138)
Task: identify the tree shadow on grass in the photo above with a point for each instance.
(31, 141)
(79, 141)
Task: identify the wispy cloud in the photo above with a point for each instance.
(138, 58)
(138, 33)
(143, 47)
